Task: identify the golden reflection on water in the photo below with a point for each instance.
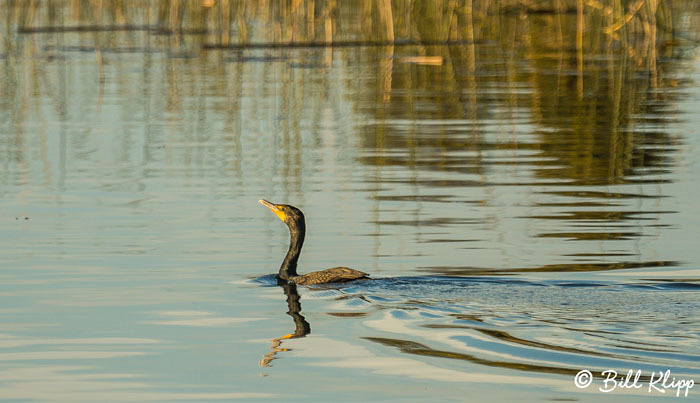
(524, 56)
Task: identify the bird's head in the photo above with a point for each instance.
(291, 215)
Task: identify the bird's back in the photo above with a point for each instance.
(333, 275)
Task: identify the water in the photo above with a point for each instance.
(523, 219)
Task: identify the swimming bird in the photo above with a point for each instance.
(294, 219)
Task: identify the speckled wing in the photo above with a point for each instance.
(333, 275)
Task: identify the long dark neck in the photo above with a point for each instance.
(289, 265)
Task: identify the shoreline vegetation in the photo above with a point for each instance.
(591, 24)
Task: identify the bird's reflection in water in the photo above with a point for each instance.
(301, 326)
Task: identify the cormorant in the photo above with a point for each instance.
(294, 219)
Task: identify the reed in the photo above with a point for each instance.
(635, 24)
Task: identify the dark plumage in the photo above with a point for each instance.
(294, 219)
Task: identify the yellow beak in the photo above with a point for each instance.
(274, 209)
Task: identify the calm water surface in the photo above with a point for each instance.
(521, 226)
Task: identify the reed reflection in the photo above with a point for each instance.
(301, 326)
